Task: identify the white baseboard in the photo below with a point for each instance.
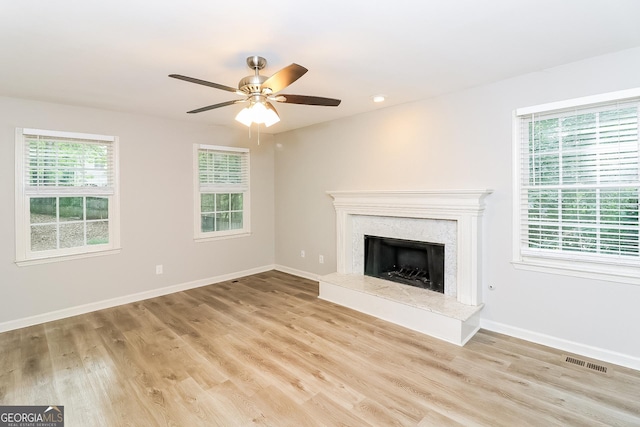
(296, 272)
(126, 299)
(562, 344)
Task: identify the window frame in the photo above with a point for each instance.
(205, 236)
(24, 255)
(596, 266)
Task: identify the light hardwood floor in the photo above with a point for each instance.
(264, 350)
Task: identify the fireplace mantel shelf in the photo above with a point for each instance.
(412, 203)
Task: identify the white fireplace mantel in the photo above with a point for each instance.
(463, 206)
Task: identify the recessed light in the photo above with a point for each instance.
(378, 98)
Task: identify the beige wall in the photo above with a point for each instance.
(462, 140)
(156, 211)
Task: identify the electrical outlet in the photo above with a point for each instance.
(159, 269)
(302, 254)
(321, 259)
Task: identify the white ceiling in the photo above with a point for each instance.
(116, 54)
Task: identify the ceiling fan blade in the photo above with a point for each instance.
(214, 106)
(307, 100)
(205, 83)
(284, 77)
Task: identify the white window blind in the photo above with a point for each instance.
(223, 169)
(59, 164)
(579, 182)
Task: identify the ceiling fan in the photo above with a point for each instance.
(258, 90)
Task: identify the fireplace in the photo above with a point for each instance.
(410, 262)
(450, 220)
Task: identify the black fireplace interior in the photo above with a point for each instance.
(414, 263)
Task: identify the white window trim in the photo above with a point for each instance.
(24, 257)
(597, 269)
(198, 235)
(621, 95)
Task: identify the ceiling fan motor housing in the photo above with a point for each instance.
(251, 84)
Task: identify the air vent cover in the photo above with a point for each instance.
(585, 364)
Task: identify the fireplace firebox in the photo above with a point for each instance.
(414, 263)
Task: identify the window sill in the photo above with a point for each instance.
(202, 239)
(588, 270)
(59, 258)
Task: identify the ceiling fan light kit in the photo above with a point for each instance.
(258, 90)
(258, 112)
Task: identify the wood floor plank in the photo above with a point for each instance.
(69, 375)
(264, 350)
(328, 412)
(280, 410)
(113, 401)
(10, 358)
(200, 404)
(235, 406)
(311, 373)
(36, 378)
(295, 387)
(377, 413)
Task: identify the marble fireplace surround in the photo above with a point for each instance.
(452, 217)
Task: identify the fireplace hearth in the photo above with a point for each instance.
(410, 262)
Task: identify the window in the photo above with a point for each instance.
(66, 195)
(221, 191)
(578, 178)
